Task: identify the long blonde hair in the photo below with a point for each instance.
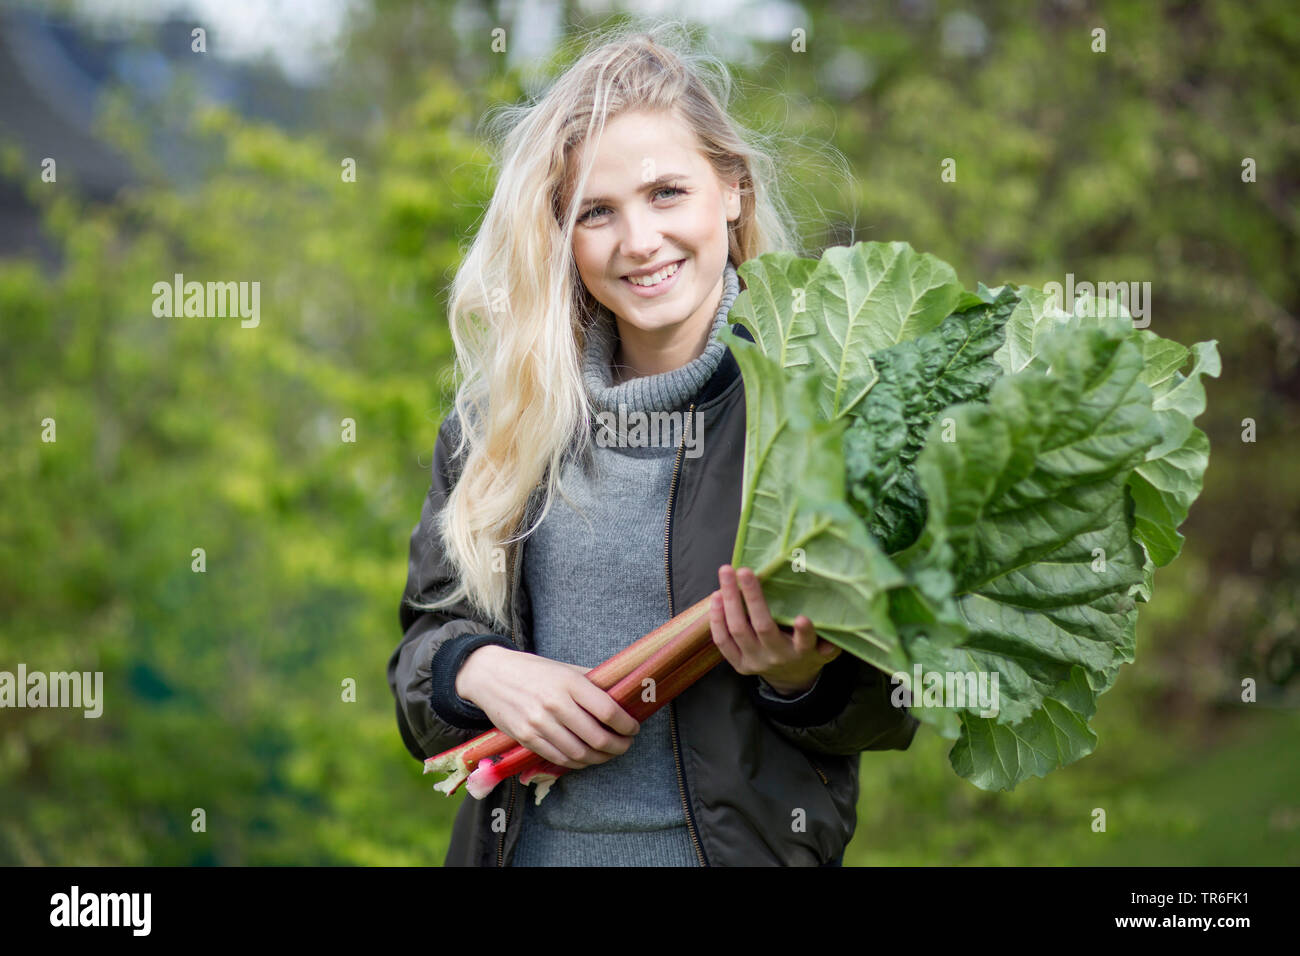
(519, 310)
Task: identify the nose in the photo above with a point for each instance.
(641, 238)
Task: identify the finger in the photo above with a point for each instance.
(595, 735)
(828, 650)
(604, 708)
(721, 636)
(736, 614)
(546, 751)
(760, 617)
(768, 636)
(570, 738)
(558, 745)
(805, 638)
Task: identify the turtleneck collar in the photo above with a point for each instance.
(666, 391)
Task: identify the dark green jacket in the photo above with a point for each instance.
(746, 764)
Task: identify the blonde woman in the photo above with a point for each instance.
(555, 533)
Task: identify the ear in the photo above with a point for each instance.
(731, 199)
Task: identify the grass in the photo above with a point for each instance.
(1235, 802)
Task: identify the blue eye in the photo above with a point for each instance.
(662, 189)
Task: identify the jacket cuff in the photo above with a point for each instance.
(447, 662)
(820, 704)
(771, 693)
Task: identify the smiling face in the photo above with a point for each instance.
(651, 201)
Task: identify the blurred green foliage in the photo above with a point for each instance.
(224, 688)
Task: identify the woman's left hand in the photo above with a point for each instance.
(751, 642)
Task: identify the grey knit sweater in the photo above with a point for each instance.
(596, 580)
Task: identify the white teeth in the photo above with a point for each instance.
(655, 278)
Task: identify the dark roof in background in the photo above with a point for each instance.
(53, 72)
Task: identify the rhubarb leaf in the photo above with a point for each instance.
(828, 316)
(916, 380)
(775, 294)
(1169, 480)
(964, 483)
(812, 553)
(1033, 319)
(1029, 515)
(997, 756)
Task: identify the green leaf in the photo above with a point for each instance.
(981, 296)
(915, 381)
(776, 285)
(982, 492)
(996, 756)
(1165, 485)
(828, 316)
(1029, 515)
(1033, 319)
(811, 552)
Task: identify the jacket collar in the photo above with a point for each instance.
(726, 371)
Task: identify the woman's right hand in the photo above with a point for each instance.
(547, 706)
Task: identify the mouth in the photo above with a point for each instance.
(666, 282)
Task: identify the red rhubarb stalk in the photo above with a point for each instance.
(690, 642)
(460, 761)
(546, 773)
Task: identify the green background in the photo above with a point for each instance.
(223, 689)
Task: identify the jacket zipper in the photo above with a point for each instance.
(672, 705)
(825, 779)
(672, 709)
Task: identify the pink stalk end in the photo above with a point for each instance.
(488, 775)
(482, 780)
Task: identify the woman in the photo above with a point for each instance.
(594, 292)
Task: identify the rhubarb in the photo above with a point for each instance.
(690, 644)
(546, 773)
(460, 761)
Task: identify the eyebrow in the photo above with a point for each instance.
(658, 183)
